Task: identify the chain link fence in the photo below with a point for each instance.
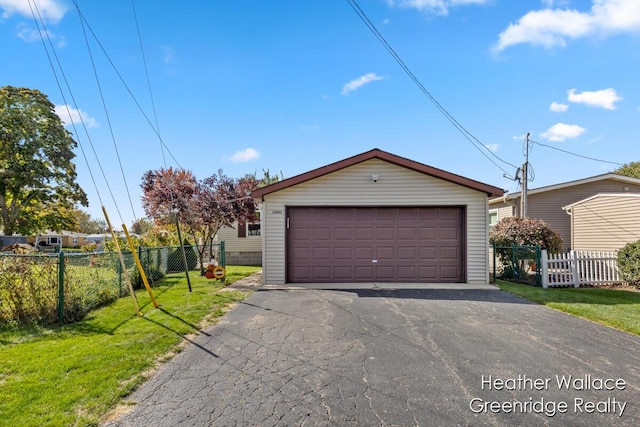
(516, 263)
(45, 288)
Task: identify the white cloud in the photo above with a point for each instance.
(438, 7)
(245, 155)
(31, 35)
(556, 107)
(50, 10)
(553, 27)
(561, 131)
(360, 81)
(70, 115)
(492, 147)
(605, 98)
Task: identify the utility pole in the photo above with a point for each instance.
(524, 178)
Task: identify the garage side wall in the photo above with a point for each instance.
(396, 186)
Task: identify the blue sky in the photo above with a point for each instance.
(293, 85)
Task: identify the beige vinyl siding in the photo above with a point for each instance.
(233, 243)
(606, 222)
(548, 205)
(396, 186)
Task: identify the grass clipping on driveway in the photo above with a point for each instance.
(72, 375)
(612, 307)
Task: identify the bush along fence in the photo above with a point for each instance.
(64, 287)
(516, 263)
(579, 268)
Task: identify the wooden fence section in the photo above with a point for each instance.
(576, 268)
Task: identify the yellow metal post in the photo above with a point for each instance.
(140, 269)
(122, 263)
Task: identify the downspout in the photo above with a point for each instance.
(569, 211)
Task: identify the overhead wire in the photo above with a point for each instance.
(39, 21)
(108, 117)
(577, 155)
(465, 133)
(126, 86)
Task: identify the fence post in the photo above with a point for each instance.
(61, 286)
(544, 263)
(223, 261)
(538, 262)
(494, 262)
(574, 269)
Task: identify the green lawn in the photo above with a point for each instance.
(72, 375)
(612, 307)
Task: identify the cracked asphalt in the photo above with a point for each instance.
(392, 355)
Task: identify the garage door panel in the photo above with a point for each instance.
(364, 253)
(343, 253)
(427, 233)
(343, 273)
(322, 233)
(406, 233)
(364, 273)
(385, 253)
(449, 254)
(385, 272)
(375, 244)
(449, 233)
(384, 233)
(321, 253)
(406, 253)
(343, 233)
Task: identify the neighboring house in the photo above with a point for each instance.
(242, 243)
(605, 222)
(375, 217)
(546, 203)
(65, 239)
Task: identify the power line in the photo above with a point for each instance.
(115, 69)
(468, 135)
(577, 155)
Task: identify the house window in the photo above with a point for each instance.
(253, 229)
(493, 219)
(249, 229)
(53, 241)
(75, 240)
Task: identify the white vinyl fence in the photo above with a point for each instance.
(576, 268)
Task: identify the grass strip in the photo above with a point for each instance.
(72, 375)
(612, 307)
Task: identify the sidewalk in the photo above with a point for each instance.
(249, 283)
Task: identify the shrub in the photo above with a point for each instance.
(629, 263)
(514, 231)
(153, 275)
(175, 262)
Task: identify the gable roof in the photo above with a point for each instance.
(382, 155)
(612, 176)
(595, 196)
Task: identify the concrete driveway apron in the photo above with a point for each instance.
(403, 355)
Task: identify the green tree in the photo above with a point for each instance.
(629, 169)
(37, 176)
(88, 225)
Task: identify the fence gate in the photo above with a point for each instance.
(578, 268)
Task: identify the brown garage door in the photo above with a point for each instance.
(364, 244)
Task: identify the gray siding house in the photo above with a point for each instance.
(547, 203)
(605, 222)
(375, 217)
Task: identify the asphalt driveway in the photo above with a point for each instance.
(400, 355)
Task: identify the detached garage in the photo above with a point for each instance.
(375, 217)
